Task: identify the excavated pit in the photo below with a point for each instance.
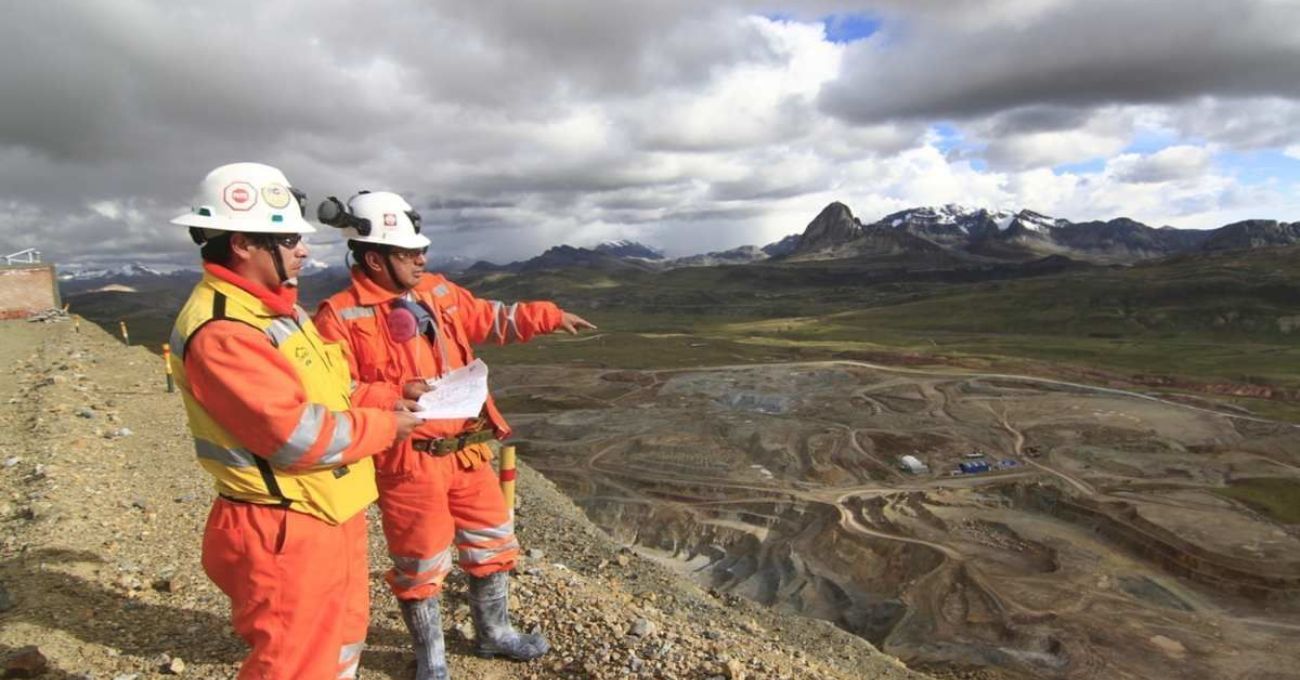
(1068, 558)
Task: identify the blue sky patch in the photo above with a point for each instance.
(847, 28)
(1258, 167)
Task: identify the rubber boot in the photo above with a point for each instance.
(424, 619)
(489, 603)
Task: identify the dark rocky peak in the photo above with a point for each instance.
(835, 225)
(1253, 234)
(785, 246)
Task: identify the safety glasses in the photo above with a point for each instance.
(287, 241)
(407, 254)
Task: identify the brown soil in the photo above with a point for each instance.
(100, 534)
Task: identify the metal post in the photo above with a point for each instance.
(508, 477)
(126, 338)
(167, 367)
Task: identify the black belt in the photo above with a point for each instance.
(448, 445)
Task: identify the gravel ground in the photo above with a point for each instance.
(102, 508)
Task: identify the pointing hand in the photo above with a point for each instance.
(572, 323)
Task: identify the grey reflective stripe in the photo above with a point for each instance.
(486, 534)
(177, 342)
(498, 318)
(440, 342)
(350, 313)
(237, 458)
(350, 655)
(510, 321)
(413, 566)
(341, 440)
(304, 435)
(440, 290)
(280, 330)
(301, 315)
(480, 555)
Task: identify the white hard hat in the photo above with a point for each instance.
(248, 197)
(379, 217)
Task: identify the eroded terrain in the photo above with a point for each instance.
(1099, 534)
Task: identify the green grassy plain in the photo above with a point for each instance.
(1278, 498)
(1195, 325)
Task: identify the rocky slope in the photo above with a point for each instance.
(102, 508)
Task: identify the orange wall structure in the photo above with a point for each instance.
(26, 289)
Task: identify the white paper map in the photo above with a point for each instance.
(458, 394)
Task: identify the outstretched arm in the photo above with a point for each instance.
(491, 320)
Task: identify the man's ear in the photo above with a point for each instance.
(241, 246)
(373, 260)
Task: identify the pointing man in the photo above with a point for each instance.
(401, 326)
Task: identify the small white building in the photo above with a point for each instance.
(913, 465)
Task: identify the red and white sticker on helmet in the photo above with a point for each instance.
(239, 196)
(276, 195)
(390, 220)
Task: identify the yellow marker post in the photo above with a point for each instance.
(76, 324)
(167, 367)
(126, 337)
(508, 477)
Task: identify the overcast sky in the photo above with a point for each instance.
(687, 125)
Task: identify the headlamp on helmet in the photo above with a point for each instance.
(331, 211)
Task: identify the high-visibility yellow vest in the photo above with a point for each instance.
(331, 494)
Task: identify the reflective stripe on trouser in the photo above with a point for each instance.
(297, 587)
(433, 501)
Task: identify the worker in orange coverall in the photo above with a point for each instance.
(268, 403)
(403, 326)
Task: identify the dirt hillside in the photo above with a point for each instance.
(102, 508)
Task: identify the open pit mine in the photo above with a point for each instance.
(1009, 526)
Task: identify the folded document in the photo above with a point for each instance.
(458, 394)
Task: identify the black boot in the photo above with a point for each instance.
(489, 602)
(424, 619)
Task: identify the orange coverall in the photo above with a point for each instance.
(298, 585)
(428, 500)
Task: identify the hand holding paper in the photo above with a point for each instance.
(458, 394)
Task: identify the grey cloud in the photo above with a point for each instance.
(1167, 165)
(1036, 119)
(1073, 53)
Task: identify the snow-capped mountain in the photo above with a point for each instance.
(1019, 236)
(623, 248)
(131, 270)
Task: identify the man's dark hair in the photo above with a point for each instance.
(360, 248)
(216, 249)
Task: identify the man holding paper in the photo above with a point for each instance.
(403, 329)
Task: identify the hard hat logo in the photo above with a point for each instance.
(240, 196)
(390, 220)
(276, 195)
(247, 197)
